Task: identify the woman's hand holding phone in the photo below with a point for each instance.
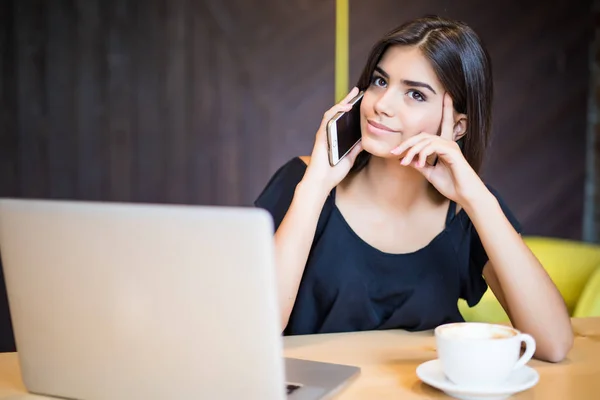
(320, 174)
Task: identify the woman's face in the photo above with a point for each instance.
(403, 99)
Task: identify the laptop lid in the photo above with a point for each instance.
(122, 301)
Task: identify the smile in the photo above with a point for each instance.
(379, 129)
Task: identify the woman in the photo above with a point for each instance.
(403, 227)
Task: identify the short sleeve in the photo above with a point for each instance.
(277, 196)
(475, 285)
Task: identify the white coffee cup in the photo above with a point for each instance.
(481, 354)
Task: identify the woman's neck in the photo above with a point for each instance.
(392, 186)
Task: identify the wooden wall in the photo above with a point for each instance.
(184, 101)
(591, 228)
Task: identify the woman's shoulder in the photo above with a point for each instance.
(278, 193)
(291, 171)
(279, 190)
(289, 174)
(305, 159)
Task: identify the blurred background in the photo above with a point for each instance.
(199, 102)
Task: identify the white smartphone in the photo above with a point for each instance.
(343, 131)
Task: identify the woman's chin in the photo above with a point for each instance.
(378, 149)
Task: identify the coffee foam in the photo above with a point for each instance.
(476, 332)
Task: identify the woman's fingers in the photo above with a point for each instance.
(350, 95)
(448, 118)
(342, 106)
(424, 153)
(425, 147)
(332, 111)
(354, 153)
(414, 150)
(408, 143)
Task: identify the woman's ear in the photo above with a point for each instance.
(460, 126)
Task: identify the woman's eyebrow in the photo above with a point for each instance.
(418, 84)
(382, 72)
(406, 82)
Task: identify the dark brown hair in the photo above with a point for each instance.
(463, 67)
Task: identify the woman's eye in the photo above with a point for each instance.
(378, 81)
(416, 95)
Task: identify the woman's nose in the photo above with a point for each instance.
(385, 104)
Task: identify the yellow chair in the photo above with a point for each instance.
(589, 302)
(573, 266)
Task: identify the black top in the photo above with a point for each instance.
(348, 285)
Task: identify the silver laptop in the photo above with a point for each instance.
(130, 301)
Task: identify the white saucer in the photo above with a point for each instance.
(522, 379)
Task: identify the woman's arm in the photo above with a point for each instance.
(296, 232)
(293, 240)
(519, 282)
(514, 274)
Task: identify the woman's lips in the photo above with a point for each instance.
(379, 129)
